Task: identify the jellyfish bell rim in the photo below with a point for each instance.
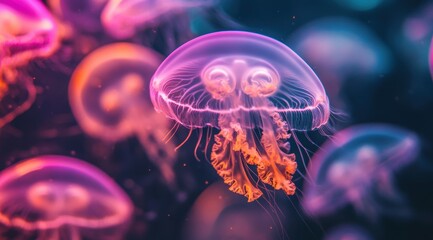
(158, 98)
(81, 77)
(119, 199)
(340, 139)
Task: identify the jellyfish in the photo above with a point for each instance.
(357, 168)
(27, 31)
(62, 198)
(124, 18)
(329, 45)
(240, 82)
(348, 232)
(109, 97)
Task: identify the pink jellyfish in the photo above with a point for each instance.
(62, 198)
(240, 82)
(27, 31)
(123, 18)
(110, 100)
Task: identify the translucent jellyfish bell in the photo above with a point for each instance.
(109, 97)
(348, 232)
(238, 82)
(356, 167)
(62, 198)
(123, 18)
(28, 31)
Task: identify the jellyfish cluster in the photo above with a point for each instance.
(215, 119)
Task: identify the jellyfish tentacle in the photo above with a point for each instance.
(228, 160)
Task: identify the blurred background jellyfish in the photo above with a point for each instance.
(109, 96)
(219, 214)
(240, 82)
(154, 21)
(348, 232)
(357, 167)
(58, 197)
(329, 45)
(27, 31)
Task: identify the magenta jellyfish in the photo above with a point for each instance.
(110, 99)
(240, 82)
(28, 31)
(124, 18)
(62, 198)
(357, 167)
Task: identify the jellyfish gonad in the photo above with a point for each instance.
(109, 98)
(252, 88)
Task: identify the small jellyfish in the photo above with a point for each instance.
(123, 18)
(28, 31)
(62, 198)
(348, 232)
(329, 45)
(110, 100)
(356, 168)
(254, 90)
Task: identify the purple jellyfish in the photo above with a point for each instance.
(356, 167)
(28, 31)
(109, 98)
(123, 18)
(62, 198)
(240, 82)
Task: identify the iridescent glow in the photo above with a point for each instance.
(238, 82)
(109, 97)
(356, 167)
(123, 18)
(59, 196)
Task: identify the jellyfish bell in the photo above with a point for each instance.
(28, 31)
(348, 232)
(123, 18)
(356, 168)
(238, 82)
(109, 97)
(59, 196)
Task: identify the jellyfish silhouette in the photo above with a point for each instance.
(27, 31)
(62, 198)
(110, 100)
(240, 82)
(356, 168)
(124, 18)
